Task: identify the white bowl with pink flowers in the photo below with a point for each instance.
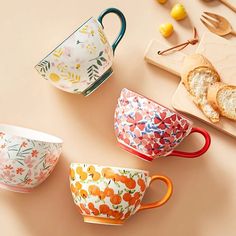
(27, 157)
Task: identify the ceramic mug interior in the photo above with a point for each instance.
(110, 195)
(82, 62)
(149, 130)
(27, 157)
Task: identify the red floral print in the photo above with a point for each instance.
(34, 153)
(19, 171)
(28, 181)
(24, 144)
(152, 149)
(8, 167)
(162, 121)
(136, 122)
(41, 176)
(148, 127)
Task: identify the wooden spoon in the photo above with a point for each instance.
(227, 3)
(217, 24)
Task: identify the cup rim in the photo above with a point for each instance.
(64, 40)
(151, 100)
(31, 134)
(113, 167)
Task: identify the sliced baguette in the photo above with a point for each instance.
(223, 98)
(197, 74)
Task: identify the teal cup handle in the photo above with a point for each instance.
(123, 24)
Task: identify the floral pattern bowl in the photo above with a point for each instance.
(27, 157)
(110, 195)
(150, 130)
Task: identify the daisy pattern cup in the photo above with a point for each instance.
(83, 61)
(27, 157)
(150, 130)
(110, 195)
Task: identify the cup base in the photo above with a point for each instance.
(135, 152)
(97, 83)
(15, 188)
(103, 221)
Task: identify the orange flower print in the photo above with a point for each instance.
(72, 174)
(104, 208)
(95, 211)
(141, 184)
(115, 199)
(96, 176)
(73, 189)
(108, 173)
(19, 171)
(50, 159)
(130, 184)
(83, 193)
(117, 215)
(24, 144)
(109, 192)
(91, 206)
(3, 146)
(83, 175)
(127, 197)
(132, 201)
(29, 161)
(34, 153)
(42, 175)
(102, 195)
(87, 211)
(7, 175)
(8, 167)
(94, 190)
(28, 181)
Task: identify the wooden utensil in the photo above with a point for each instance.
(223, 60)
(227, 3)
(217, 24)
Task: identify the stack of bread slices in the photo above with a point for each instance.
(205, 87)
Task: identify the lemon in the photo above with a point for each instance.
(162, 1)
(178, 12)
(166, 29)
(54, 77)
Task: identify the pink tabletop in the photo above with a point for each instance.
(204, 199)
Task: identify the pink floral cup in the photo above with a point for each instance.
(150, 130)
(27, 157)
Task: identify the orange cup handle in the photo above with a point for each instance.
(168, 194)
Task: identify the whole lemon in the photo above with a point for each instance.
(162, 1)
(166, 29)
(178, 12)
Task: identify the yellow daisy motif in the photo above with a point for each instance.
(54, 77)
(57, 52)
(77, 66)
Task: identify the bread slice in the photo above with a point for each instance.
(223, 98)
(197, 74)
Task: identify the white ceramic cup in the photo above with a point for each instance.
(27, 157)
(82, 62)
(110, 195)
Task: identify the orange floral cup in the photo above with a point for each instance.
(110, 195)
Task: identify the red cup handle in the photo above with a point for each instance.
(198, 153)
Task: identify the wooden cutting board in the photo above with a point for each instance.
(222, 54)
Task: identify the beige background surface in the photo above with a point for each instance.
(204, 199)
